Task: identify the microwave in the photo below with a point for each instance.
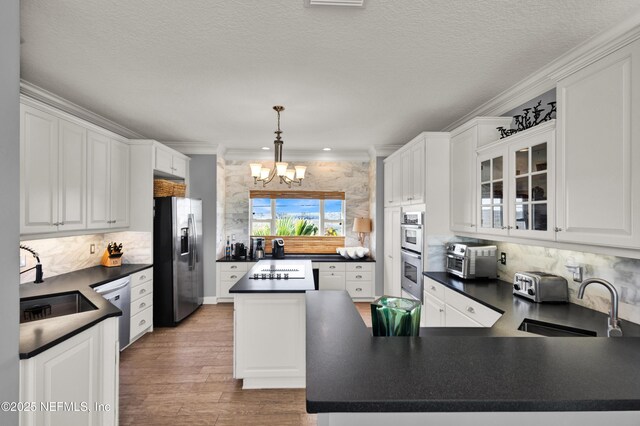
(411, 231)
(472, 261)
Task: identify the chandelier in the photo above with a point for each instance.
(287, 176)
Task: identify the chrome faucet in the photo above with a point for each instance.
(614, 323)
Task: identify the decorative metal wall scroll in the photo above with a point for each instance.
(531, 117)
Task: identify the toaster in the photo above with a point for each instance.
(541, 287)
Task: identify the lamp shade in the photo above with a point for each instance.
(255, 169)
(300, 171)
(281, 168)
(362, 224)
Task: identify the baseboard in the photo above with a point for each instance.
(210, 300)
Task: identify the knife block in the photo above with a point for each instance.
(110, 262)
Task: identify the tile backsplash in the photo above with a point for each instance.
(68, 254)
(623, 273)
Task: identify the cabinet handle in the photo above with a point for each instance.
(358, 276)
(143, 291)
(441, 310)
(358, 289)
(142, 305)
(143, 322)
(433, 287)
(234, 267)
(233, 276)
(142, 277)
(359, 267)
(332, 267)
(471, 310)
(558, 229)
(55, 224)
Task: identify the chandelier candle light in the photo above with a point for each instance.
(287, 176)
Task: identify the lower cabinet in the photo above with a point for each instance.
(444, 307)
(141, 304)
(74, 382)
(355, 277)
(229, 273)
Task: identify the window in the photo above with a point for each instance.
(297, 213)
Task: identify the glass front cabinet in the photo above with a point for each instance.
(516, 184)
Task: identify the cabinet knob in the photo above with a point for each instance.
(441, 310)
(558, 229)
(471, 310)
(433, 287)
(142, 277)
(233, 276)
(61, 223)
(358, 276)
(234, 267)
(143, 291)
(358, 289)
(359, 267)
(55, 223)
(332, 267)
(142, 305)
(143, 322)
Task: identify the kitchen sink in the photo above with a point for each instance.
(553, 330)
(56, 305)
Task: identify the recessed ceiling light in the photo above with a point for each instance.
(326, 149)
(265, 148)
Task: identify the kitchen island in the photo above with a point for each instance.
(269, 324)
(464, 376)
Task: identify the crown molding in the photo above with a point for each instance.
(38, 93)
(546, 77)
(296, 155)
(194, 148)
(383, 150)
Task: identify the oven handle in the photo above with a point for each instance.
(410, 225)
(415, 255)
(452, 256)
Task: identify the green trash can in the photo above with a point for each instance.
(395, 316)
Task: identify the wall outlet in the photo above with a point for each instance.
(92, 248)
(503, 258)
(23, 261)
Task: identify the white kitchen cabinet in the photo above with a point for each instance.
(331, 276)
(359, 280)
(170, 162)
(229, 273)
(413, 164)
(53, 173)
(141, 304)
(455, 318)
(598, 191)
(388, 184)
(393, 177)
(83, 371)
(108, 182)
(516, 185)
(433, 311)
(462, 170)
(392, 260)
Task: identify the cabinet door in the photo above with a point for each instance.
(72, 194)
(164, 160)
(463, 181)
(388, 183)
(388, 254)
(434, 314)
(407, 176)
(179, 167)
(455, 318)
(38, 171)
(418, 162)
(532, 186)
(397, 181)
(119, 184)
(492, 192)
(598, 147)
(331, 281)
(98, 191)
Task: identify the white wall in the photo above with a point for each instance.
(9, 213)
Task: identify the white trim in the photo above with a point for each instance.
(383, 150)
(297, 155)
(546, 77)
(206, 148)
(274, 383)
(55, 101)
(210, 300)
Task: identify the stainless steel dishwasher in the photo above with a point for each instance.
(118, 292)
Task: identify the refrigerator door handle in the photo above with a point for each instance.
(195, 240)
(192, 245)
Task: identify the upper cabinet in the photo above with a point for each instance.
(169, 162)
(598, 146)
(68, 170)
(464, 142)
(516, 184)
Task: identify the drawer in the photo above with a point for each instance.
(141, 304)
(472, 309)
(359, 276)
(359, 267)
(233, 276)
(434, 288)
(224, 288)
(234, 267)
(359, 289)
(141, 290)
(141, 321)
(331, 266)
(141, 276)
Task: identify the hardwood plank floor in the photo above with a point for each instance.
(184, 376)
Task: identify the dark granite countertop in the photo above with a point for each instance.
(292, 285)
(38, 336)
(312, 257)
(465, 369)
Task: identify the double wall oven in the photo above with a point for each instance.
(411, 234)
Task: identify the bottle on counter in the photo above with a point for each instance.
(227, 250)
(233, 246)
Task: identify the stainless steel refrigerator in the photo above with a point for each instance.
(177, 259)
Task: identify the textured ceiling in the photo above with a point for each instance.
(210, 71)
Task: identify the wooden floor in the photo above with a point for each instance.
(184, 376)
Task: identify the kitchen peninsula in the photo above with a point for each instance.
(269, 324)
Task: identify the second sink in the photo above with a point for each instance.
(55, 305)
